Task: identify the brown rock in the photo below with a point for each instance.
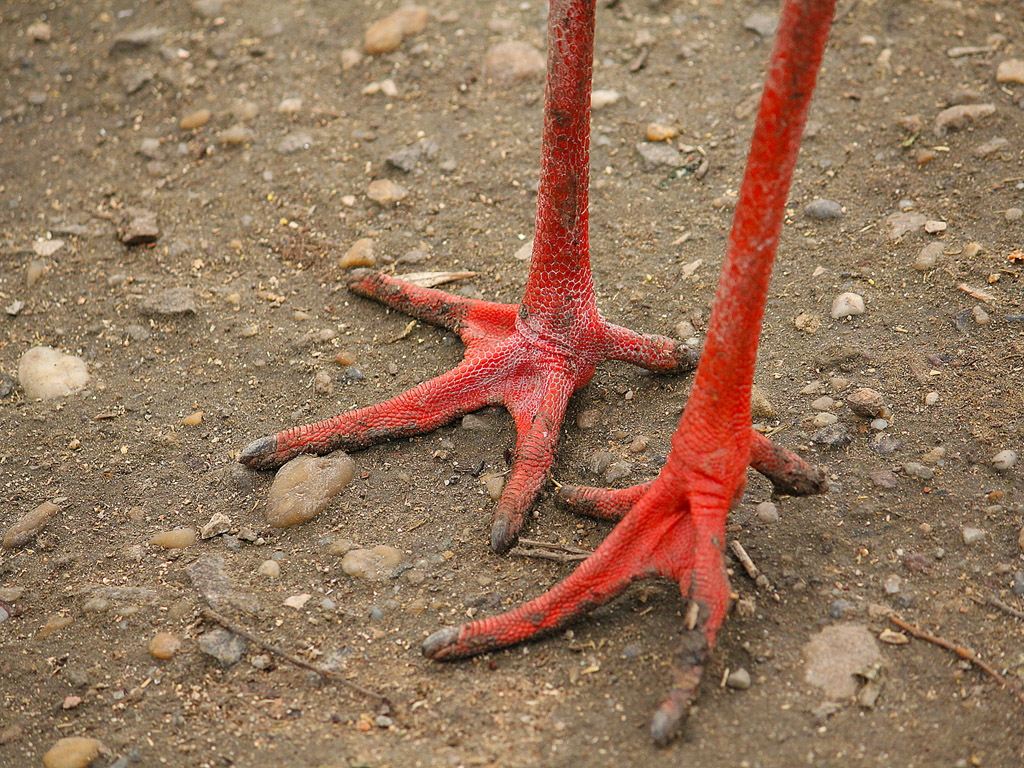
(512, 62)
(360, 254)
(72, 752)
(305, 486)
(1010, 71)
(194, 120)
(30, 524)
(179, 538)
(387, 34)
(163, 646)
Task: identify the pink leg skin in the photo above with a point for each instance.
(677, 529)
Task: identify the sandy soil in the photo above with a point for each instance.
(256, 232)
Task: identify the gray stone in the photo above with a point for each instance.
(823, 210)
(223, 645)
(659, 155)
(835, 655)
(173, 302)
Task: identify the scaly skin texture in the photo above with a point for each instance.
(529, 357)
(676, 527)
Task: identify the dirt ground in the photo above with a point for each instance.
(256, 230)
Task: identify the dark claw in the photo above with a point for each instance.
(260, 454)
(503, 538)
(439, 641)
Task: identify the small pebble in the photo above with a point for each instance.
(832, 436)
(39, 32)
(960, 116)
(294, 142)
(360, 253)
(1017, 587)
(866, 402)
(29, 525)
(918, 470)
(618, 470)
(235, 135)
(882, 478)
(179, 538)
(194, 120)
(588, 419)
(892, 584)
(932, 226)
(981, 317)
(289, 107)
(931, 398)
(847, 304)
(1010, 71)
(990, 147)
(767, 512)
(350, 59)
(972, 535)
(46, 373)
(512, 62)
(660, 132)
(219, 523)
(657, 155)
(270, 568)
(163, 646)
(738, 679)
(72, 752)
(323, 384)
(824, 419)
(603, 98)
(386, 192)
(388, 33)
(223, 645)
(1014, 214)
(371, 564)
(1004, 460)
(928, 257)
(340, 546)
(494, 484)
(194, 419)
(823, 210)
(172, 302)
(823, 403)
(305, 486)
(879, 424)
(760, 406)
(298, 601)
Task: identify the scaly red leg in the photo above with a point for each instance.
(529, 357)
(789, 475)
(677, 529)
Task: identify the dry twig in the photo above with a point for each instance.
(961, 651)
(225, 622)
(561, 553)
(997, 603)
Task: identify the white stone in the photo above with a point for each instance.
(847, 304)
(46, 373)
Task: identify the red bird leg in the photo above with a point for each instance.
(677, 529)
(529, 357)
(789, 475)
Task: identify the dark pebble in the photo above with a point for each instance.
(884, 443)
(832, 436)
(839, 608)
(883, 478)
(823, 210)
(1018, 583)
(6, 385)
(226, 647)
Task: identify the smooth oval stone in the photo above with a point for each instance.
(305, 486)
(72, 752)
(175, 539)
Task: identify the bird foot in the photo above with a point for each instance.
(511, 359)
